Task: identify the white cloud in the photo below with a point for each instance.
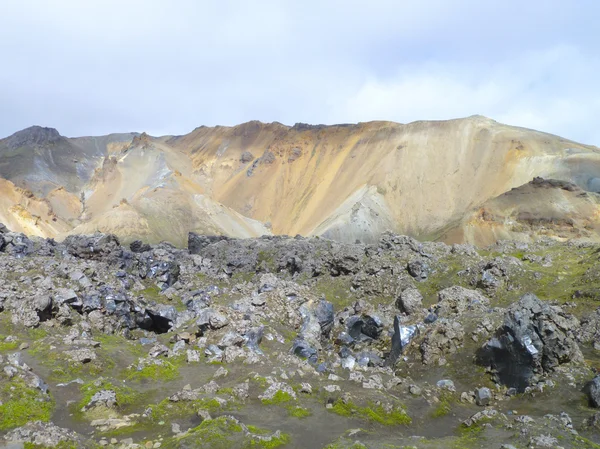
(103, 66)
(555, 90)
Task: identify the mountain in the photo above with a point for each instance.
(429, 179)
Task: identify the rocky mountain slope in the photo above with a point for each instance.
(298, 343)
(346, 182)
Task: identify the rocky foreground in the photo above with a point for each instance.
(298, 343)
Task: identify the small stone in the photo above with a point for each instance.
(178, 347)
(483, 396)
(306, 388)
(193, 356)
(23, 346)
(204, 415)
(446, 384)
(221, 372)
(415, 390)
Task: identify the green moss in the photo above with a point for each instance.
(275, 441)
(167, 410)
(37, 333)
(63, 370)
(166, 371)
(346, 445)
(152, 293)
(110, 343)
(125, 395)
(444, 406)
(8, 345)
(469, 436)
(584, 443)
(336, 290)
(278, 398)
(298, 412)
(22, 404)
(61, 445)
(219, 433)
(260, 380)
(372, 412)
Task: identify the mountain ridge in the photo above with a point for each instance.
(346, 181)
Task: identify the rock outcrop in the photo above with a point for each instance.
(534, 339)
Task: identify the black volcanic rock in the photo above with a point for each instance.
(534, 339)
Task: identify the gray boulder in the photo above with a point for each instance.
(410, 301)
(16, 244)
(456, 300)
(443, 338)
(44, 435)
(483, 396)
(94, 247)
(103, 398)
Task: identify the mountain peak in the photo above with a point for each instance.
(33, 136)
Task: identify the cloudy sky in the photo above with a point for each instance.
(167, 66)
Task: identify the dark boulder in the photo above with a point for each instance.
(592, 390)
(317, 321)
(254, 338)
(401, 338)
(162, 317)
(372, 327)
(301, 348)
(197, 242)
(16, 244)
(535, 338)
(418, 269)
(364, 328)
(139, 247)
(325, 316)
(165, 272)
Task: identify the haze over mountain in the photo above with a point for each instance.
(451, 180)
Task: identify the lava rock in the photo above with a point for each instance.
(535, 338)
(94, 247)
(139, 247)
(444, 337)
(197, 242)
(592, 390)
(402, 336)
(302, 349)
(418, 269)
(457, 300)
